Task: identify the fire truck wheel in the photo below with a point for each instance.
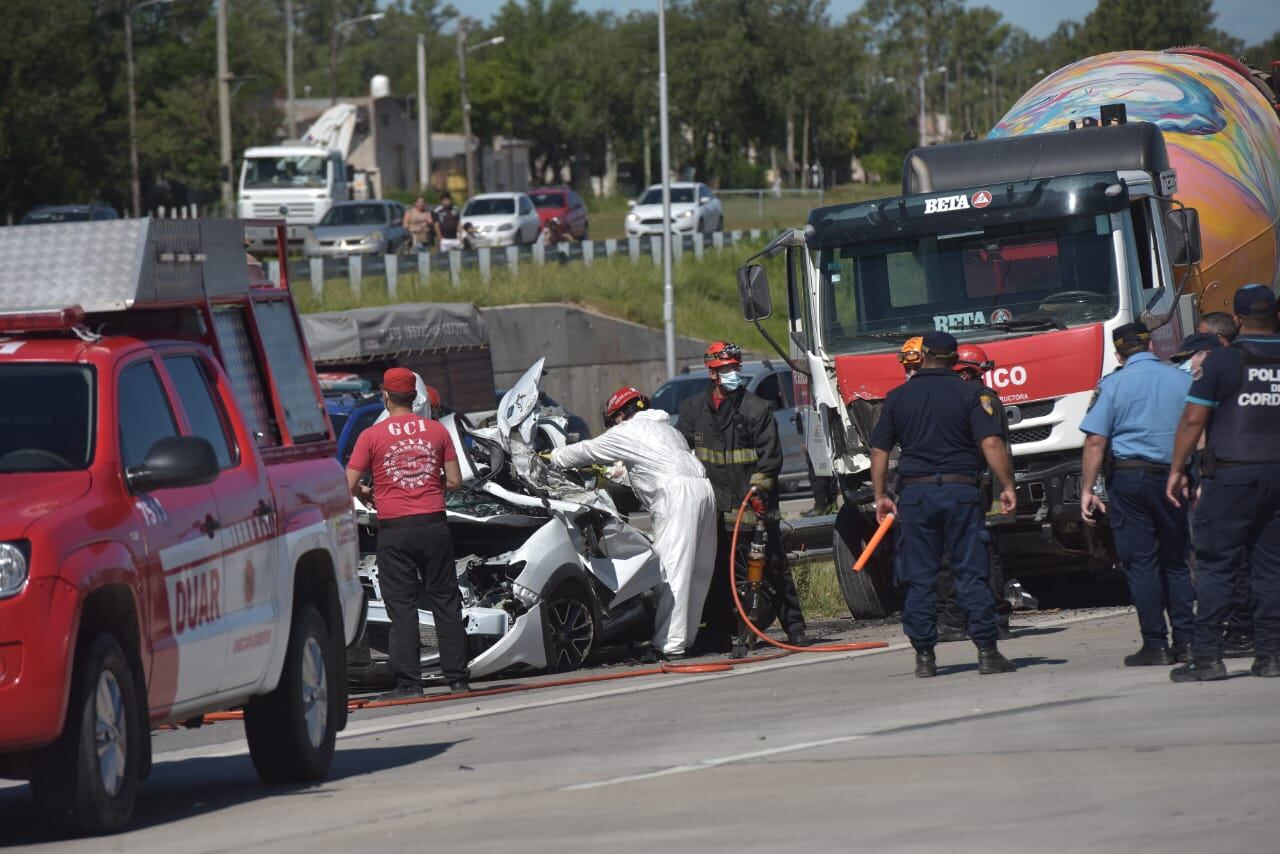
(870, 594)
(86, 782)
(291, 731)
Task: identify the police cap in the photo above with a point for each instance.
(1131, 338)
(939, 344)
(1193, 344)
(1254, 301)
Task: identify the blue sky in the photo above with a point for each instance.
(1251, 20)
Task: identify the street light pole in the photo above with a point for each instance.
(922, 119)
(334, 37)
(291, 107)
(463, 50)
(664, 133)
(424, 120)
(224, 113)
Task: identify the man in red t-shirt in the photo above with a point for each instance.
(413, 464)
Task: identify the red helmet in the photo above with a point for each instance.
(627, 397)
(722, 353)
(433, 397)
(971, 357)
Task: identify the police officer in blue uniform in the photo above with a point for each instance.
(944, 427)
(1237, 521)
(1137, 410)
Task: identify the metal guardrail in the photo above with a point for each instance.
(424, 265)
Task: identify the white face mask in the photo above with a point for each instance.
(730, 380)
(1187, 366)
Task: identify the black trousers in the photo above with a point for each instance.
(720, 617)
(415, 558)
(951, 616)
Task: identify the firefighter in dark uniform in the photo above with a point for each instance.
(734, 434)
(944, 427)
(1236, 396)
(971, 363)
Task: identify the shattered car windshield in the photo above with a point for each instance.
(47, 424)
(1058, 273)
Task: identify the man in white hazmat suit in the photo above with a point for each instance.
(673, 486)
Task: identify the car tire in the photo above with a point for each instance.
(569, 627)
(869, 594)
(80, 787)
(292, 730)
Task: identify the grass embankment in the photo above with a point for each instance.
(706, 291)
(820, 596)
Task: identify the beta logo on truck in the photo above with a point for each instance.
(946, 203)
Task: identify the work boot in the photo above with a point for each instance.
(990, 661)
(1267, 666)
(1150, 656)
(459, 686)
(949, 634)
(1237, 646)
(1003, 632)
(798, 638)
(400, 692)
(1200, 668)
(926, 664)
(1182, 652)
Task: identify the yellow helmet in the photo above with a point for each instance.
(912, 353)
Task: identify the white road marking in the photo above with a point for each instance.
(703, 764)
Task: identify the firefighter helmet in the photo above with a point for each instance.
(624, 400)
(912, 354)
(722, 353)
(971, 357)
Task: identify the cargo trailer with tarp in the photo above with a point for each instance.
(446, 343)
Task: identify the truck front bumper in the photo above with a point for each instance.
(37, 630)
(1047, 521)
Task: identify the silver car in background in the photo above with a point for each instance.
(374, 227)
(693, 208)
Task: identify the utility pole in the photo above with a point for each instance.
(466, 110)
(135, 183)
(224, 113)
(922, 119)
(333, 52)
(424, 119)
(291, 108)
(664, 133)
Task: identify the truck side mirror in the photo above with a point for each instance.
(351, 174)
(753, 288)
(1182, 234)
(175, 462)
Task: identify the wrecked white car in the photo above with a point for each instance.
(548, 568)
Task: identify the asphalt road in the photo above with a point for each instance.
(819, 753)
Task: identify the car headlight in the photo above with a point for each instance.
(507, 226)
(13, 568)
(633, 217)
(686, 214)
(373, 237)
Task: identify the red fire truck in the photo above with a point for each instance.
(175, 533)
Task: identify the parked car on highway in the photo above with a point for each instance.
(501, 219)
(42, 214)
(768, 380)
(374, 227)
(564, 203)
(693, 208)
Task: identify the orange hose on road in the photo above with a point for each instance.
(873, 542)
(733, 586)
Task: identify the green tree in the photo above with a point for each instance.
(1151, 25)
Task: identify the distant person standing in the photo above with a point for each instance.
(414, 464)
(446, 218)
(420, 224)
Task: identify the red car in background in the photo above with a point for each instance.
(564, 203)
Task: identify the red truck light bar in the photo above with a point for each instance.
(44, 320)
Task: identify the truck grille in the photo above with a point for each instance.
(1031, 434)
(298, 211)
(1038, 409)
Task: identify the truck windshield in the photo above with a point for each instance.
(47, 421)
(293, 171)
(1051, 274)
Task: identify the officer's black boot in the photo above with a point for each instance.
(926, 664)
(1182, 652)
(1266, 666)
(1237, 646)
(1200, 668)
(1150, 656)
(990, 661)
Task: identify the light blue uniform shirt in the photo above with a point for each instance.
(1138, 408)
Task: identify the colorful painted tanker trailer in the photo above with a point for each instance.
(1129, 186)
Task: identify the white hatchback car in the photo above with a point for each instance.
(499, 219)
(693, 208)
